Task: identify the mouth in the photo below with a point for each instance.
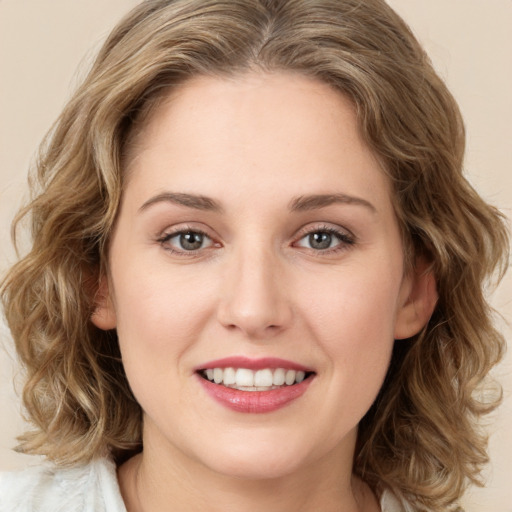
(254, 386)
(245, 379)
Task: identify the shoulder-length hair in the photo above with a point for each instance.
(420, 438)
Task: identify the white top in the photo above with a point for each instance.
(89, 488)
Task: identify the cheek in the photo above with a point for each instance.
(354, 305)
(353, 322)
(162, 309)
(159, 318)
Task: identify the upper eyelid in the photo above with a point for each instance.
(166, 235)
(183, 228)
(345, 237)
(325, 226)
(303, 231)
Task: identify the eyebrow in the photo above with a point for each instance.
(301, 203)
(197, 202)
(317, 201)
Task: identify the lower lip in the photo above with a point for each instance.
(255, 401)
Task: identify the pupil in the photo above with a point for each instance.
(320, 240)
(191, 241)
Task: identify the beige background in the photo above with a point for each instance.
(470, 41)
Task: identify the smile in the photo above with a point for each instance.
(254, 386)
(245, 379)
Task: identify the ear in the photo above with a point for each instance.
(104, 315)
(418, 298)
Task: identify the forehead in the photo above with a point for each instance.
(209, 103)
(282, 128)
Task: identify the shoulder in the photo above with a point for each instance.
(47, 488)
(390, 503)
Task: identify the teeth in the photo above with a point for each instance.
(218, 375)
(229, 376)
(290, 377)
(263, 378)
(279, 377)
(244, 377)
(249, 380)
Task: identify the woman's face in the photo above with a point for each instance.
(256, 243)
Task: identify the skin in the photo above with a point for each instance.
(257, 287)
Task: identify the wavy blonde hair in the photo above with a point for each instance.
(421, 437)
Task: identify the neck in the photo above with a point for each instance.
(166, 480)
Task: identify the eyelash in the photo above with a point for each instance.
(166, 237)
(346, 240)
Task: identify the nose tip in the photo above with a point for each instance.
(255, 300)
(254, 325)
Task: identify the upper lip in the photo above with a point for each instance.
(253, 364)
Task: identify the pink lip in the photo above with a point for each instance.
(253, 364)
(254, 401)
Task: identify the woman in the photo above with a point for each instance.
(256, 274)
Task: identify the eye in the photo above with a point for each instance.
(326, 239)
(186, 241)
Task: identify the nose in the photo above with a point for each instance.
(254, 297)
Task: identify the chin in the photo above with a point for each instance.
(261, 468)
(258, 459)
